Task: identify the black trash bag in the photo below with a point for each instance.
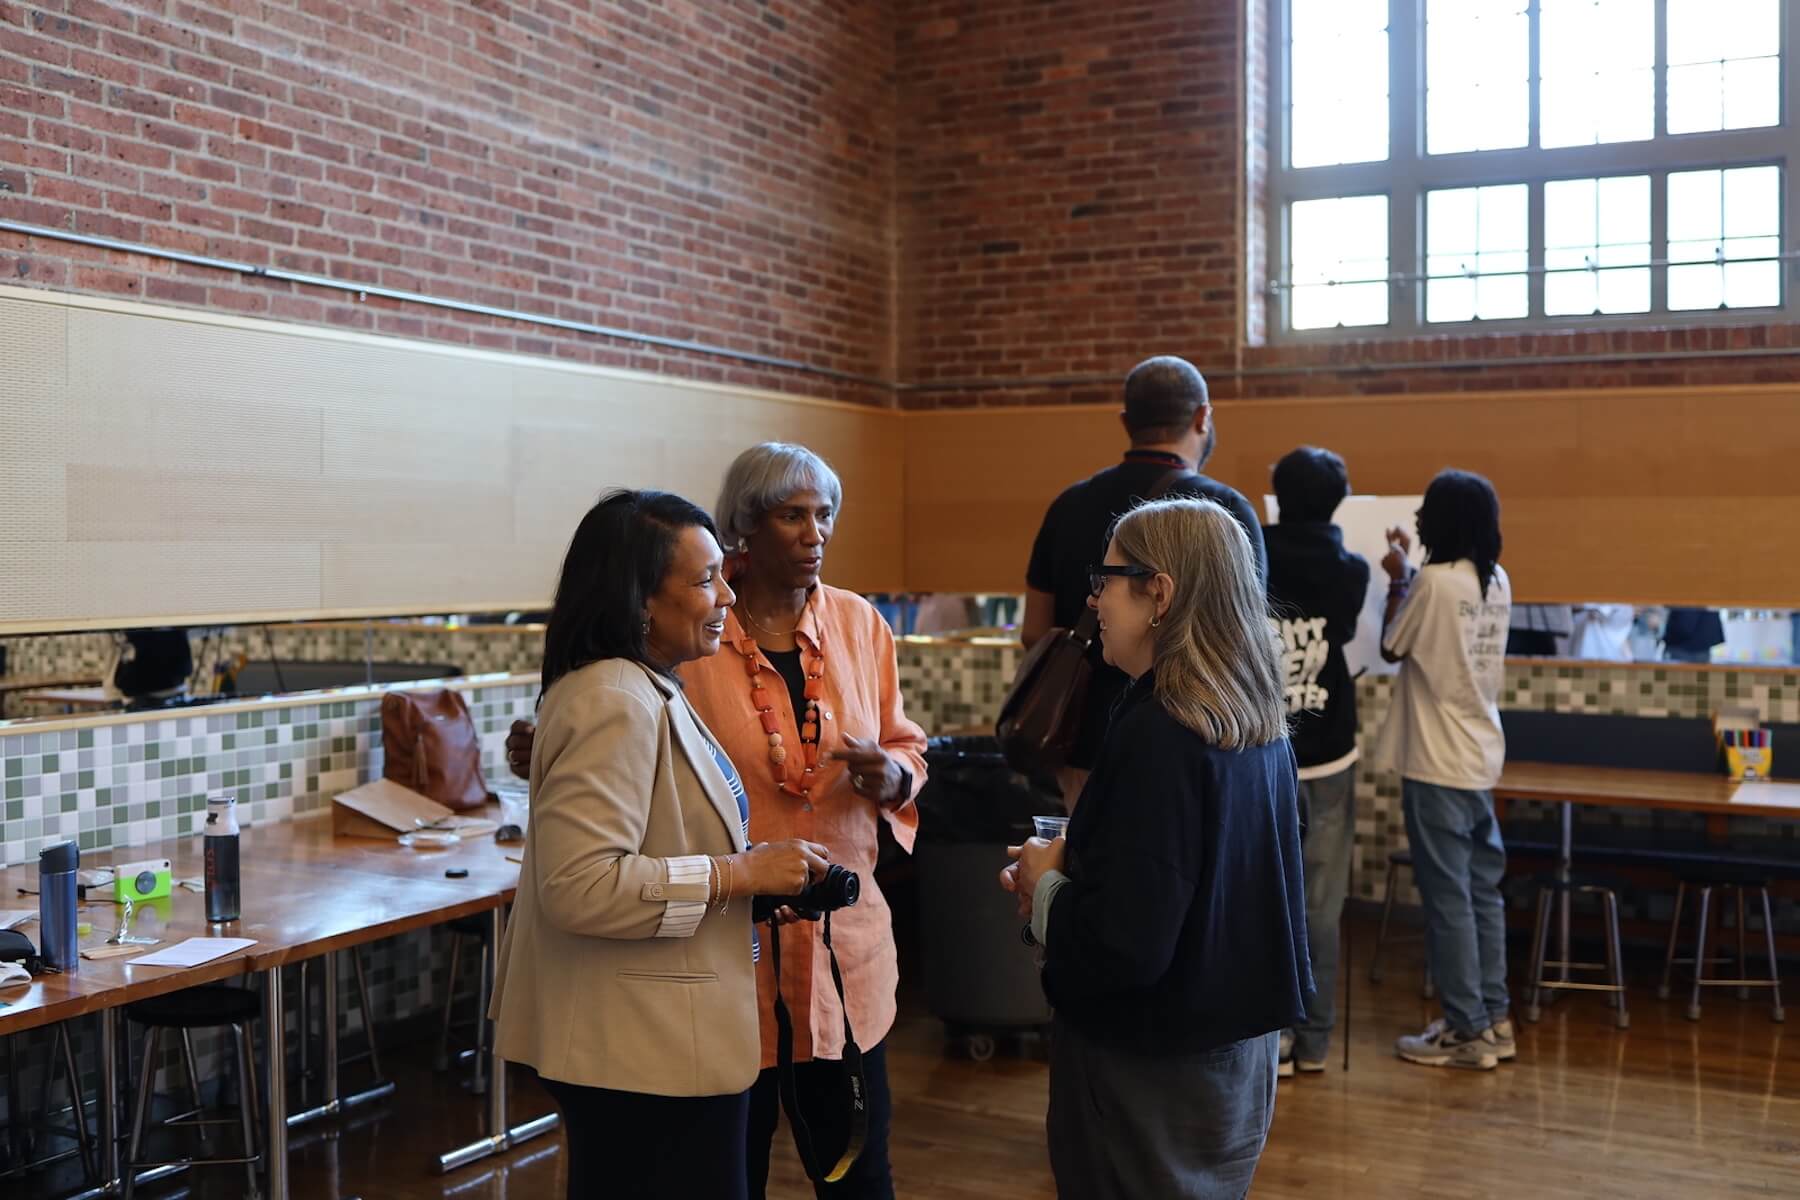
(971, 795)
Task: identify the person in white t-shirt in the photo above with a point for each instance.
(1446, 625)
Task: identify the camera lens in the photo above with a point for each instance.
(840, 888)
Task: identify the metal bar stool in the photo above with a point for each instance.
(1396, 860)
(333, 1102)
(461, 930)
(61, 1060)
(205, 1007)
(1737, 881)
(1549, 886)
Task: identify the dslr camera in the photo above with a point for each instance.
(838, 888)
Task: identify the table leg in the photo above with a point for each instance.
(275, 1136)
(109, 1099)
(1564, 867)
(500, 1137)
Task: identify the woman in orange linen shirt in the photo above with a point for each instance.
(804, 697)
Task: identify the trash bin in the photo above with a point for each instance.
(980, 978)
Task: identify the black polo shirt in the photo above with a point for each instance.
(1073, 537)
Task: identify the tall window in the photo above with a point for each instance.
(1446, 165)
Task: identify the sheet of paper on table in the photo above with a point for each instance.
(193, 952)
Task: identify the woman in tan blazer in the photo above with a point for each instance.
(627, 977)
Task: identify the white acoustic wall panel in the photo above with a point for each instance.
(159, 465)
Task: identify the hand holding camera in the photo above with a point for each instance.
(778, 868)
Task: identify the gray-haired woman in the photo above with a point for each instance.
(804, 696)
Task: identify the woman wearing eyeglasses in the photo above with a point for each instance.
(1171, 917)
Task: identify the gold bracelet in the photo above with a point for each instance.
(712, 881)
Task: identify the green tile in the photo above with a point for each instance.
(15, 767)
(15, 810)
(51, 763)
(69, 802)
(87, 840)
(152, 751)
(86, 739)
(85, 779)
(229, 741)
(152, 809)
(15, 788)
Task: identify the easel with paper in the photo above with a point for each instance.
(1365, 521)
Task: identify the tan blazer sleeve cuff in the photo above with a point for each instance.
(684, 895)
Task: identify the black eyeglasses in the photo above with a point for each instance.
(1098, 575)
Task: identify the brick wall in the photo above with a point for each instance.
(719, 171)
(993, 202)
(1069, 183)
(1078, 191)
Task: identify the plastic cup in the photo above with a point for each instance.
(1050, 828)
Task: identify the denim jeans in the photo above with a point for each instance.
(1458, 862)
(1328, 823)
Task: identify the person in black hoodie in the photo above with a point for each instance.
(1171, 917)
(1316, 592)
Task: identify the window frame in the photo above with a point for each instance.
(1408, 173)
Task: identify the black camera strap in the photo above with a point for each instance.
(853, 1071)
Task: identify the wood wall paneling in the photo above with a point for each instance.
(161, 465)
(1633, 496)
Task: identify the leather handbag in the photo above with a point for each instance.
(1040, 718)
(1041, 715)
(429, 744)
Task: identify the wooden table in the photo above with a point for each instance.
(71, 698)
(29, 683)
(1716, 797)
(306, 894)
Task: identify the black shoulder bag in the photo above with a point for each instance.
(855, 1084)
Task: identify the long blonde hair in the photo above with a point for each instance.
(1218, 670)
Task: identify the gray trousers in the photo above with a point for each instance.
(1328, 814)
(1134, 1127)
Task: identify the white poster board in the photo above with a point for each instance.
(1365, 521)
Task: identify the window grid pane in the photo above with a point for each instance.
(1597, 62)
(1476, 253)
(1725, 238)
(1597, 246)
(1477, 68)
(1339, 262)
(1337, 82)
(1724, 66)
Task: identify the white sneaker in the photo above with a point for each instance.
(1307, 1066)
(1506, 1047)
(1284, 1063)
(1441, 1046)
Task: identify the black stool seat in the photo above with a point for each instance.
(1724, 875)
(1400, 858)
(470, 926)
(199, 1007)
(1581, 881)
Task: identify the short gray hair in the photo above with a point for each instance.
(763, 478)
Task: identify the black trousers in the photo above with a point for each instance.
(819, 1086)
(637, 1147)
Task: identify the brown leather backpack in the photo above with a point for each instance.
(430, 745)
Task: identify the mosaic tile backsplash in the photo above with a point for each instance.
(123, 785)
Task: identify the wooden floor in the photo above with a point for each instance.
(1667, 1109)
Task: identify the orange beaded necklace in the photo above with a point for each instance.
(795, 783)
